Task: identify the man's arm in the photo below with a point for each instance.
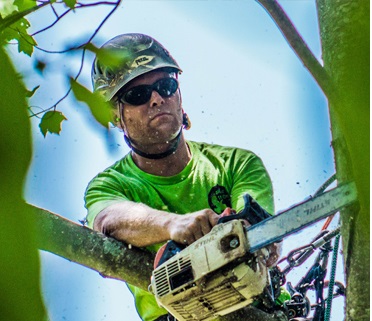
(141, 225)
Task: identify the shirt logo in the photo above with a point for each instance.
(219, 199)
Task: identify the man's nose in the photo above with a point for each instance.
(156, 99)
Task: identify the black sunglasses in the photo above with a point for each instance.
(141, 94)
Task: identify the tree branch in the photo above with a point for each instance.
(58, 18)
(79, 244)
(82, 45)
(78, 6)
(79, 47)
(298, 45)
(111, 258)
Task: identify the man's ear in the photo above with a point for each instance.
(186, 123)
(116, 118)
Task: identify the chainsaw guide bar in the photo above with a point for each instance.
(223, 271)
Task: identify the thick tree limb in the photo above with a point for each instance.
(298, 45)
(111, 258)
(84, 246)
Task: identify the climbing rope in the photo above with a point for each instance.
(327, 313)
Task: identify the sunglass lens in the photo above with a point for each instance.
(166, 87)
(138, 95)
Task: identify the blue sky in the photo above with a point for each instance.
(242, 86)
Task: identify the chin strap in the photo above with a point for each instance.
(168, 152)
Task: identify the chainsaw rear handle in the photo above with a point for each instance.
(252, 212)
(168, 250)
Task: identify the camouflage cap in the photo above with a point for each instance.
(138, 54)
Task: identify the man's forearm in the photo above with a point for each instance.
(134, 223)
(141, 225)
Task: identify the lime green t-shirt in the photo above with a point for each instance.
(216, 177)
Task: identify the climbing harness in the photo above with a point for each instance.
(299, 307)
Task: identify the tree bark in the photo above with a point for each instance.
(344, 28)
(79, 244)
(111, 258)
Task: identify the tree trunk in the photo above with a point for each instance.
(344, 31)
(344, 28)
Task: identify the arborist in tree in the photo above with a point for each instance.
(165, 188)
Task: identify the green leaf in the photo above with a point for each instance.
(101, 110)
(18, 32)
(30, 93)
(24, 4)
(16, 15)
(70, 3)
(19, 256)
(26, 44)
(52, 122)
(6, 9)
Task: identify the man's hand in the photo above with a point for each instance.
(271, 254)
(141, 225)
(186, 229)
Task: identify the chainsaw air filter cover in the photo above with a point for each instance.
(214, 276)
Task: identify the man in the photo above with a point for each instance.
(166, 188)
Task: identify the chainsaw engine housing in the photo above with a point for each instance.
(214, 276)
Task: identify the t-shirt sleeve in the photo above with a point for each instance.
(249, 175)
(102, 191)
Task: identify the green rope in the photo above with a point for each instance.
(325, 185)
(327, 313)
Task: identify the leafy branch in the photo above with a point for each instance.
(14, 28)
(78, 6)
(60, 16)
(16, 16)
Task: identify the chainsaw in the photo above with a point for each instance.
(224, 270)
